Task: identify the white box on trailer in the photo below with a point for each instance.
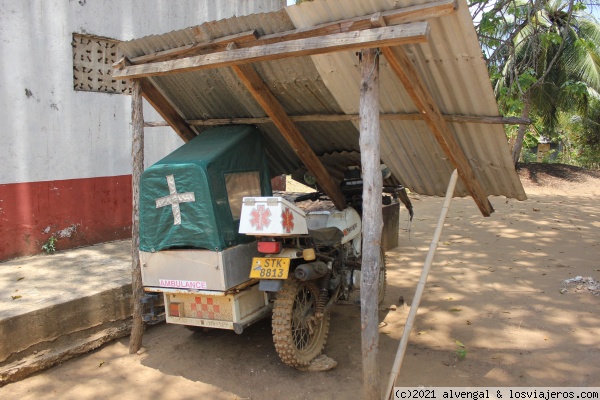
(197, 269)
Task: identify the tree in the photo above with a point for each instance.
(581, 136)
(543, 57)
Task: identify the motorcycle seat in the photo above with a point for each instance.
(329, 236)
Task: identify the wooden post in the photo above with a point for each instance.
(137, 156)
(372, 220)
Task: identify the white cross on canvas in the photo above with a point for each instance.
(174, 198)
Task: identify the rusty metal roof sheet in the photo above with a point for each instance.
(450, 64)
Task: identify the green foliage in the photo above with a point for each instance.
(527, 79)
(550, 157)
(528, 156)
(550, 38)
(461, 351)
(546, 54)
(574, 89)
(50, 246)
(531, 139)
(581, 137)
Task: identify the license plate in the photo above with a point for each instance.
(270, 268)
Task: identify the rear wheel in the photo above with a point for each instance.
(298, 335)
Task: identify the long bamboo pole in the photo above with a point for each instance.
(421, 286)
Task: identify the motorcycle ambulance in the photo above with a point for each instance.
(224, 252)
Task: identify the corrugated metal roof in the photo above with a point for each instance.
(450, 64)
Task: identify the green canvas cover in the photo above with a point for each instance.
(184, 199)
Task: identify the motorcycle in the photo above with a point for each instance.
(310, 261)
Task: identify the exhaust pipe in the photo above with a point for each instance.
(310, 271)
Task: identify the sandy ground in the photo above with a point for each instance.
(496, 287)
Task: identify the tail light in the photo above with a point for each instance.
(269, 247)
(174, 309)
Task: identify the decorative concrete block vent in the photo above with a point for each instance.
(93, 57)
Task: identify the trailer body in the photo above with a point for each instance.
(191, 253)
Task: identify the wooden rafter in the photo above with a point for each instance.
(416, 32)
(461, 119)
(250, 38)
(416, 89)
(166, 110)
(396, 16)
(192, 49)
(261, 93)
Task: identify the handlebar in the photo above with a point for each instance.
(308, 196)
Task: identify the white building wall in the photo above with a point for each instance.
(50, 131)
(65, 164)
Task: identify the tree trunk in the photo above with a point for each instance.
(372, 221)
(516, 153)
(137, 156)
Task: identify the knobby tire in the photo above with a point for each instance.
(295, 306)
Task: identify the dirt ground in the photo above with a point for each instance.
(497, 287)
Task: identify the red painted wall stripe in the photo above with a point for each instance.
(78, 212)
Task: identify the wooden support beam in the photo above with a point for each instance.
(166, 110)
(372, 221)
(396, 16)
(416, 89)
(419, 12)
(377, 21)
(349, 117)
(388, 36)
(196, 48)
(250, 38)
(137, 158)
(259, 90)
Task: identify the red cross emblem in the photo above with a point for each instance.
(287, 220)
(259, 217)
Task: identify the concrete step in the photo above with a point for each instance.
(57, 306)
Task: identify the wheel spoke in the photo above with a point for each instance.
(301, 300)
(302, 331)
